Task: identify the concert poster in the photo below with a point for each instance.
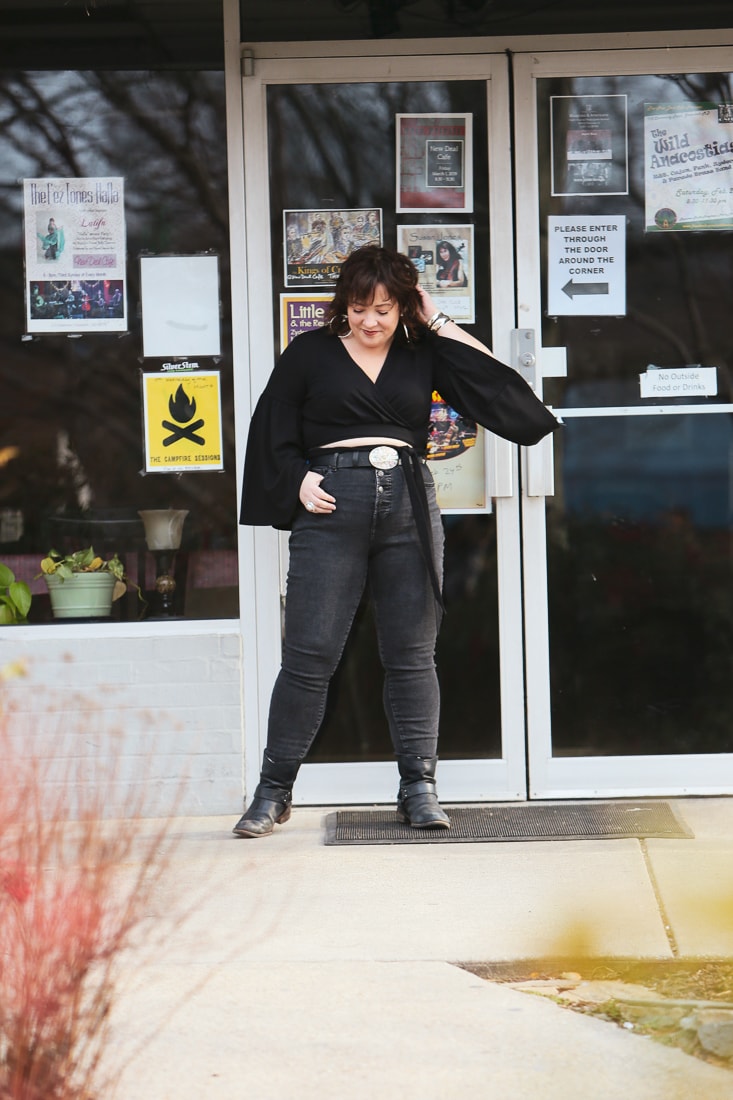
(75, 254)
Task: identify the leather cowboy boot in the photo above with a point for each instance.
(417, 800)
(272, 798)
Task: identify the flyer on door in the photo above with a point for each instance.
(75, 254)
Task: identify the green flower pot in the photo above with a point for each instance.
(81, 596)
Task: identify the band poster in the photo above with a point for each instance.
(434, 163)
(688, 154)
(300, 313)
(589, 145)
(443, 256)
(182, 422)
(75, 254)
(456, 456)
(318, 241)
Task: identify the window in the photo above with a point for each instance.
(71, 433)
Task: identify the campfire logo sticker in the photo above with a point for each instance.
(183, 411)
(182, 419)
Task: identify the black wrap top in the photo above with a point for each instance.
(318, 395)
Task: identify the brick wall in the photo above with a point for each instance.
(154, 722)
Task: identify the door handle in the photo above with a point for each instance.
(501, 467)
(534, 364)
(539, 468)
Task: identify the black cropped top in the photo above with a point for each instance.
(318, 395)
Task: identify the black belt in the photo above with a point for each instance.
(384, 457)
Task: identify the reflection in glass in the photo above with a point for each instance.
(72, 450)
(355, 728)
(640, 563)
(640, 540)
(321, 159)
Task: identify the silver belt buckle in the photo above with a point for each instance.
(384, 458)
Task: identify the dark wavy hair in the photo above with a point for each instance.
(366, 269)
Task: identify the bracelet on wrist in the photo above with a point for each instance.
(431, 320)
(437, 321)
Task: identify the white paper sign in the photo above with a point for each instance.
(180, 305)
(586, 260)
(692, 381)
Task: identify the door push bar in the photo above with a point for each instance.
(538, 461)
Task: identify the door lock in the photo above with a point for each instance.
(524, 354)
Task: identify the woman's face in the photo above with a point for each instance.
(374, 323)
(444, 252)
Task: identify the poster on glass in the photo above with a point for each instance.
(457, 458)
(688, 171)
(182, 422)
(301, 313)
(589, 147)
(318, 241)
(443, 256)
(434, 163)
(74, 237)
(180, 309)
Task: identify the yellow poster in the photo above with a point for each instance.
(182, 422)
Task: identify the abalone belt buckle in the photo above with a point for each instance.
(384, 458)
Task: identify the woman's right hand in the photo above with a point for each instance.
(428, 306)
(312, 497)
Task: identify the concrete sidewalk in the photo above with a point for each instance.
(328, 972)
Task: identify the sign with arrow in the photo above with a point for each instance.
(182, 416)
(586, 261)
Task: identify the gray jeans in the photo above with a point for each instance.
(370, 539)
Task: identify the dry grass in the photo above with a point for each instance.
(66, 912)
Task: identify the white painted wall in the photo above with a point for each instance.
(152, 720)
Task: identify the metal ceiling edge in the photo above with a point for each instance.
(428, 47)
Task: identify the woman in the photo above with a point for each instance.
(335, 453)
(450, 266)
(53, 241)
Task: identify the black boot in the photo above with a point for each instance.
(272, 798)
(417, 801)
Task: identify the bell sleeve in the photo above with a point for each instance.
(275, 463)
(489, 392)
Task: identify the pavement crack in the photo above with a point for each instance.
(666, 922)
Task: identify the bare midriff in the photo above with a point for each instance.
(365, 441)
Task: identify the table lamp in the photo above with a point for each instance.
(163, 530)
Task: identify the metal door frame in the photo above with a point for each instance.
(521, 639)
(469, 780)
(567, 777)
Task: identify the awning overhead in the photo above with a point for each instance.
(51, 34)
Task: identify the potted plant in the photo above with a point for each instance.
(15, 598)
(83, 585)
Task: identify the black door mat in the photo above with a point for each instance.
(513, 821)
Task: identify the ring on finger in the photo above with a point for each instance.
(311, 506)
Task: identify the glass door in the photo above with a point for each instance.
(624, 259)
(326, 129)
